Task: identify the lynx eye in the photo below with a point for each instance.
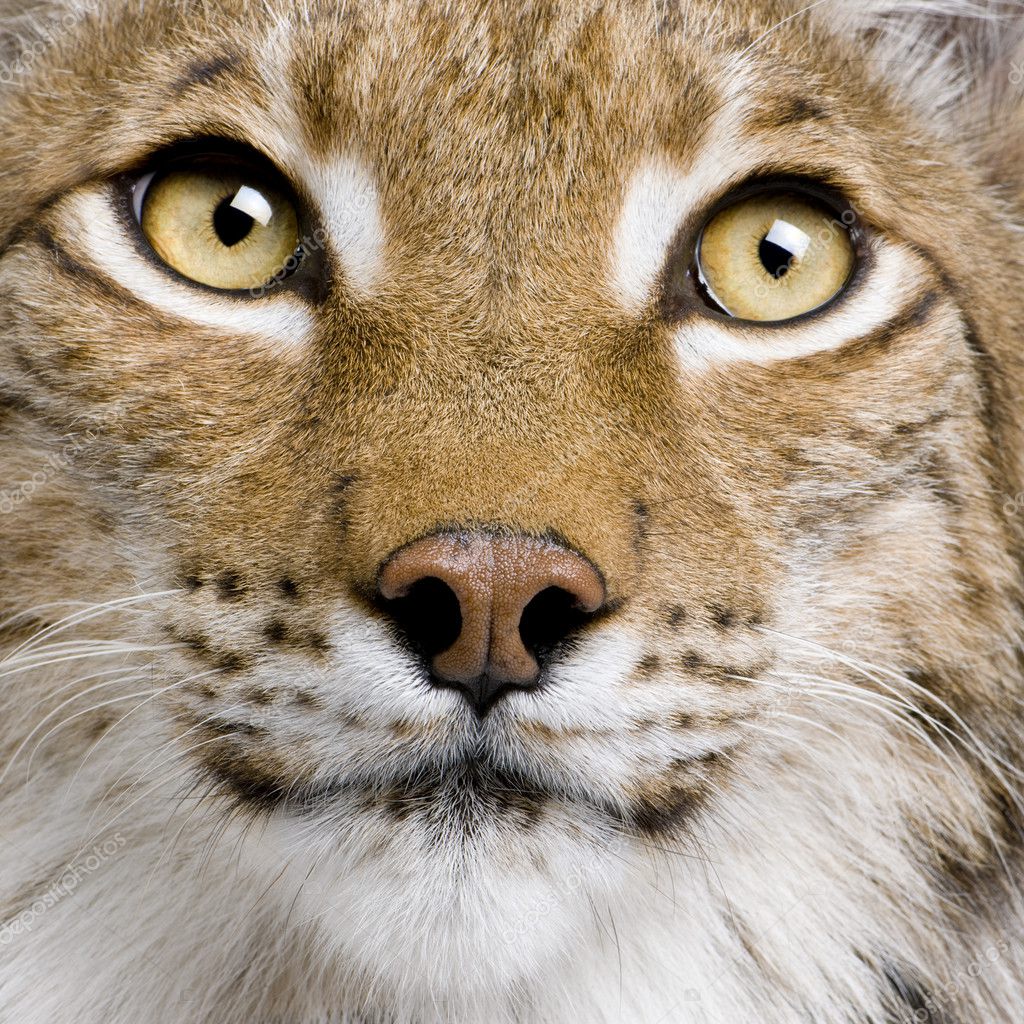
(774, 255)
(219, 222)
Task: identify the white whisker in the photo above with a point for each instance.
(130, 676)
(83, 615)
(149, 754)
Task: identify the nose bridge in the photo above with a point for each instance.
(588, 507)
(522, 464)
(520, 426)
(496, 579)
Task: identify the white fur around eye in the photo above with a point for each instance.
(658, 200)
(342, 185)
(95, 236)
(350, 208)
(892, 282)
(660, 193)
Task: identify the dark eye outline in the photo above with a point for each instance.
(683, 292)
(307, 278)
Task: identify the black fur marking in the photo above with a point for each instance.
(474, 790)
(316, 640)
(722, 617)
(659, 815)
(987, 371)
(22, 628)
(883, 338)
(13, 402)
(798, 110)
(676, 616)
(73, 268)
(458, 796)
(648, 665)
(785, 113)
(249, 782)
(312, 641)
(914, 1002)
(642, 517)
(339, 499)
(963, 877)
(229, 586)
(219, 727)
(223, 728)
(275, 632)
(230, 661)
(288, 588)
(936, 475)
(248, 729)
(202, 72)
(733, 675)
(194, 641)
(198, 643)
(912, 428)
(100, 725)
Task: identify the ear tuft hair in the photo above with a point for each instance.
(942, 55)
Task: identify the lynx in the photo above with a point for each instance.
(511, 512)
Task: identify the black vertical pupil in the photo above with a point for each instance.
(775, 259)
(230, 224)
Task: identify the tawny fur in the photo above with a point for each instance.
(780, 783)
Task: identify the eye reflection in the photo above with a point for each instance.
(783, 244)
(774, 255)
(218, 223)
(235, 215)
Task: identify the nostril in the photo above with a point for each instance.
(428, 614)
(486, 610)
(549, 619)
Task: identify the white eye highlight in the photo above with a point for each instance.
(789, 237)
(253, 203)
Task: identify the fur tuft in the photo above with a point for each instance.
(946, 57)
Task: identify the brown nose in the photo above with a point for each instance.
(485, 609)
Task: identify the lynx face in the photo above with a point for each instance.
(510, 513)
